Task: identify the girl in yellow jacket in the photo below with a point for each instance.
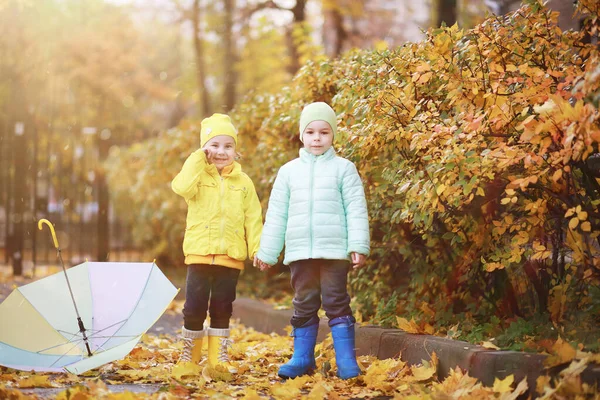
(223, 228)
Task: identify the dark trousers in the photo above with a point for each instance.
(317, 281)
(209, 284)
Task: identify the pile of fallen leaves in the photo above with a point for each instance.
(257, 357)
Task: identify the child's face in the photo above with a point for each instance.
(317, 137)
(222, 151)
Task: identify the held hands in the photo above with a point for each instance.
(263, 266)
(358, 260)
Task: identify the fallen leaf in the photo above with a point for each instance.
(35, 381)
(490, 345)
(185, 369)
(503, 385)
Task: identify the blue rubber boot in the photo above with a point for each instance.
(303, 360)
(342, 331)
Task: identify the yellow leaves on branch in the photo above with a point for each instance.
(540, 252)
(577, 215)
(493, 266)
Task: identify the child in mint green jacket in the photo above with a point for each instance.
(317, 208)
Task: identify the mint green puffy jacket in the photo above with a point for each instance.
(317, 208)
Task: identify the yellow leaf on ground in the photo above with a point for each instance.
(216, 373)
(575, 368)
(318, 392)
(490, 345)
(378, 374)
(519, 390)
(503, 385)
(134, 374)
(423, 372)
(290, 389)
(35, 381)
(185, 369)
(564, 350)
(541, 383)
(251, 394)
(405, 325)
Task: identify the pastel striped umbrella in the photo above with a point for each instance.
(83, 317)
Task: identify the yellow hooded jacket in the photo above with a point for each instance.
(224, 218)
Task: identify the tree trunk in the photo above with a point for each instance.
(21, 126)
(200, 70)
(565, 18)
(501, 7)
(103, 203)
(334, 33)
(446, 12)
(299, 12)
(230, 57)
(103, 146)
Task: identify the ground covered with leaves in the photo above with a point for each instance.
(257, 357)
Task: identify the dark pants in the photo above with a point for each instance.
(209, 282)
(317, 281)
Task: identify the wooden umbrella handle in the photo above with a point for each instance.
(45, 221)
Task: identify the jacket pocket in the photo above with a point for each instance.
(237, 249)
(196, 239)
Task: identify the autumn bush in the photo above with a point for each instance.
(477, 150)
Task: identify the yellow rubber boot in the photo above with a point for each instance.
(218, 346)
(192, 346)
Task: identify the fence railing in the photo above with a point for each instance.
(57, 176)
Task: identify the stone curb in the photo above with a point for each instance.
(480, 362)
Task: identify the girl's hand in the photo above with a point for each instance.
(209, 154)
(263, 266)
(358, 260)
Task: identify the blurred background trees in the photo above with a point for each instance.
(145, 65)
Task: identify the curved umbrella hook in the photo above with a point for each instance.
(41, 222)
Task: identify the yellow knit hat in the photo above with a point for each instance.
(216, 125)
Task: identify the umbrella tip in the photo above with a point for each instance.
(154, 261)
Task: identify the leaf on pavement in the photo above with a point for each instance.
(408, 326)
(35, 381)
(503, 385)
(490, 345)
(185, 369)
